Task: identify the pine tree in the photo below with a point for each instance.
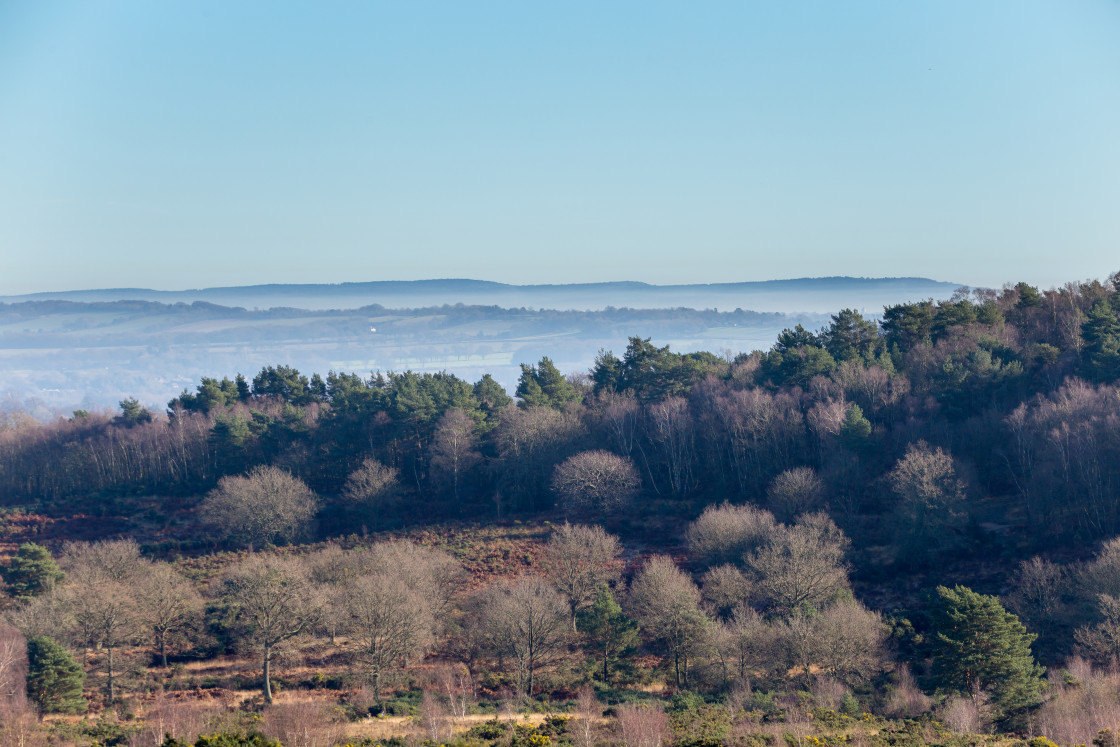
(856, 428)
(133, 413)
(1101, 331)
(491, 396)
(54, 679)
(851, 337)
(31, 571)
(543, 385)
(980, 646)
(529, 389)
(610, 635)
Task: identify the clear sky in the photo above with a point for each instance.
(188, 144)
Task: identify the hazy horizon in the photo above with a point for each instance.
(449, 279)
(93, 349)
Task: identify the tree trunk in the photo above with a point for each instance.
(163, 649)
(267, 684)
(112, 689)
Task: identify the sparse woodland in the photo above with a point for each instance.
(885, 533)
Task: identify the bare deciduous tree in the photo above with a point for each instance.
(588, 711)
(271, 601)
(530, 440)
(433, 718)
(724, 588)
(266, 505)
(580, 558)
(118, 560)
(854, 636)
(800, 641)
(303, 724)
(671, 431)
(754, 431)
(454, 682)
(13, 666)
(667, 605)
(42, 615)
(182, 720)
(434, 574)
(725, 533)
(801, 564)
(1101, 575)
(595, 483)
(1101, 642)
(844, 642)
(332, 569)
(100, 594)
(751, 642)
(795, 492)
(621, 415)
(373, 489)
(643, 725)
(389, 621)
(19, 726)
(1082, 705)
(453, 447)
(930, 497)
(526, 621)
(907, 699)
(169, 606)
(1036, 593)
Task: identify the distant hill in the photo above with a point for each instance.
(812, 295)
(93, 348)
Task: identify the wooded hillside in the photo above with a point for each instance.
(897, 518)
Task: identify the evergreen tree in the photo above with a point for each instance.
(1029, 296)
(1101, 331)
(31, 571)
(980, 646)
(529, 389)
(285, 383)
(796, 366)
(907, 325)
(543, 385)
(231, 440)
(606, 374)
(856, 428)
(243, 390)
(133, 413)
(950, 314)
(491, 396)
(611, 636)
(54, 679)
(851, 337)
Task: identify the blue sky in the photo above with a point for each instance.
(177, 145)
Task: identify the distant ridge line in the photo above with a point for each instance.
(471, 283)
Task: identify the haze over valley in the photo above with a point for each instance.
(90, 349)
